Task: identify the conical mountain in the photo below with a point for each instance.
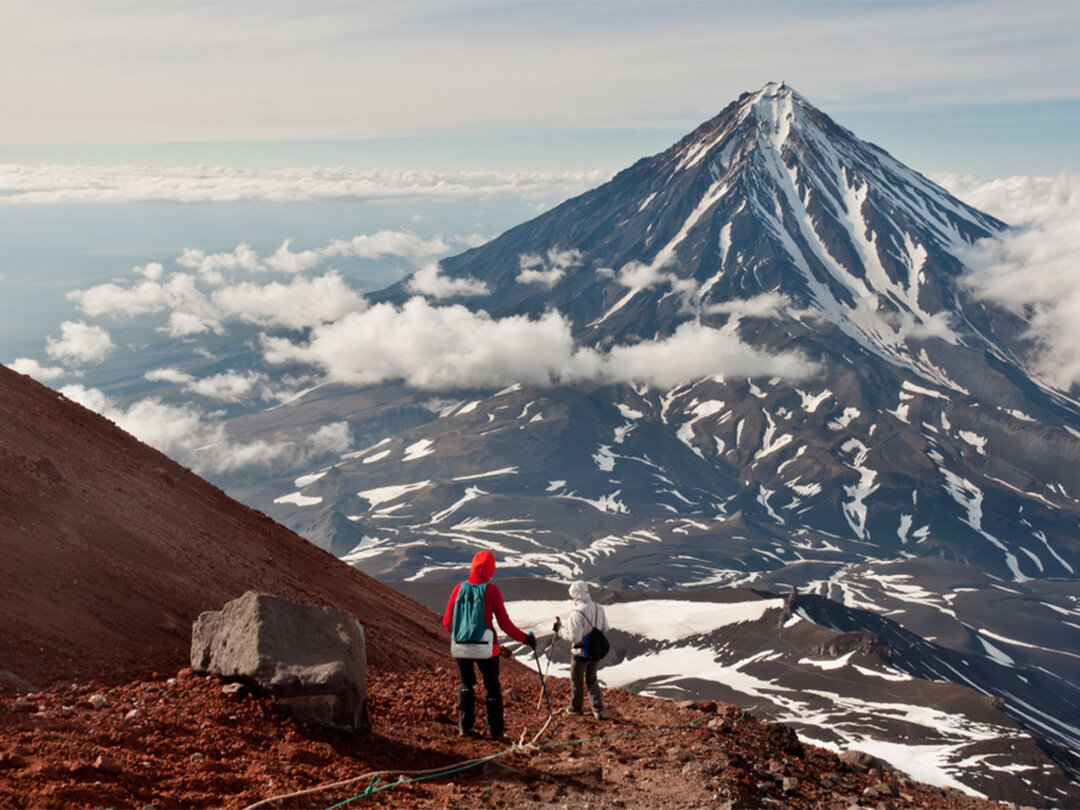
(914, 433)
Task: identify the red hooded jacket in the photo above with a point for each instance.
(483, 568)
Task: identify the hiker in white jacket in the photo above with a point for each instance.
(583, 618)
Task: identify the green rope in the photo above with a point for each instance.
(374, 785)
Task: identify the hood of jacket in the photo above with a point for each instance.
(483, 567)
(579, 592)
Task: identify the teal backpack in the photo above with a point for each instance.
(469, 627)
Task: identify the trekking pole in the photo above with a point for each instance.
(543, 685)
(547, 668)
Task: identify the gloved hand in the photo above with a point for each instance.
(530, 640)
(558, 624)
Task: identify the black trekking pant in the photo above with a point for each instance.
(466, 704)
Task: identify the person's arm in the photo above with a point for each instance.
(498, 610)
(448, 616)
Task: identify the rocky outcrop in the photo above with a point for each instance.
(310, 659)
(867, 643)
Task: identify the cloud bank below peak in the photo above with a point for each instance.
(59, 183)
(1033, 268)
(451, 347)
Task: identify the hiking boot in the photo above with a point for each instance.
(495, 717)
(466, 707)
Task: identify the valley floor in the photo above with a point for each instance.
(182, 742)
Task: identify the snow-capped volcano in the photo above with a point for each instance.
(867, 418)
(769, 205)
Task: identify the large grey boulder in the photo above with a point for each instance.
(311, 659)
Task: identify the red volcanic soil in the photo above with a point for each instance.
(110, 552)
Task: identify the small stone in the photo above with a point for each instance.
(184, 674)
(789, 783)
(67, 709)
(871, 793)
(884, 788)
(134, 714)
(234, 689)
(107, 765)
(196, 757)
(98, 701)
(11, 760)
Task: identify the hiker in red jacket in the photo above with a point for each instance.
(473, 603)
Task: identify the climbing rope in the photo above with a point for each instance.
(376, 785)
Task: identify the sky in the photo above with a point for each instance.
(988, 88)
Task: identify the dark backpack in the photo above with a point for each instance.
(595, 645)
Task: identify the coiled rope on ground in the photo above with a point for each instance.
(375, 783)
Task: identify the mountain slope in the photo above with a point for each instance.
(112, 550)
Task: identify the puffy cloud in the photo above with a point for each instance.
(79, 343)
(432, 347)
(209, 267)
(301, 303)
(549, 269)
(429, 281)
(185, 324)
(694, 351)
(1032, 269)
(388, 243)
(441, 348)
(229, 386)
(56, 183)
(113, 300)
(766, 305)
(189, 435)
(639, 276)
(32, 368)
(153, 270)
(285, 261)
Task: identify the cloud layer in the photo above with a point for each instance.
(55, 183)
(439, 348)
(1034, 268)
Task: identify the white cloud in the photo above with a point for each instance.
(429, 281)
(388, 243)
(56, 183)
(153, 270)
(32, 368)
(186, 324)
(639, 276)
(766, 305)
(694, 351)
(441, 348)
(209, 267)
(285, 261)
(549, 269)
(1032, 269)
(173, 375)
(301, 303)
(79, 343)
(189, 435)
(229, 386)
(113, 300)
